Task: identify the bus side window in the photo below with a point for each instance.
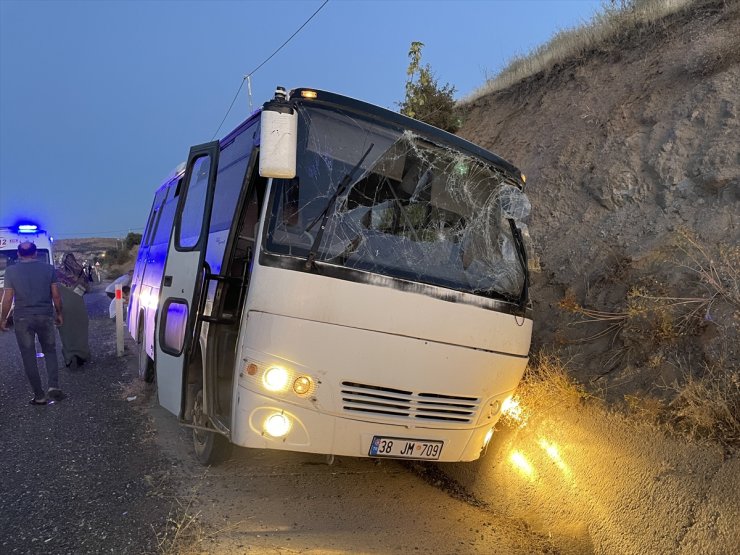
(147, 237)
(191, 220)
(230, 182)
(163, 227)
(232, 167)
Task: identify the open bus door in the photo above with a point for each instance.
(182, 280)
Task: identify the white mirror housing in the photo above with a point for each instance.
(278, 138)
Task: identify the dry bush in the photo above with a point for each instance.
(708, 407)
(646, 409)
(646, 319)
(615, 19)
(718, 269)
(182, 533)
(185, 532)
(546, 383)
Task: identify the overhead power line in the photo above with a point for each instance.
(248, 75)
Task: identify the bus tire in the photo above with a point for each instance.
(146, 365)
(211, 448)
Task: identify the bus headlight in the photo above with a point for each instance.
(487, 439)
(275, 378)
(302, 385)
(277, 425)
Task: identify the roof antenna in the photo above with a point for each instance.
(249, 90)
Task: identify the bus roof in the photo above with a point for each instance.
(444, 137)
(334, 99)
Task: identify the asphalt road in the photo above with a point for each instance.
(109, 471)
(81, 476)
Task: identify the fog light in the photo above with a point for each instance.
(275, 379)
(277, 425)
(302, 385)
(487, 439)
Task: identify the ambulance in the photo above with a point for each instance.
(11, 237)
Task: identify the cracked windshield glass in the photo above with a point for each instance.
(412, 209)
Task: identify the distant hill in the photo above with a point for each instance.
(85, 248)
(86, 245)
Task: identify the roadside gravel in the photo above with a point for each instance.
(81, 476)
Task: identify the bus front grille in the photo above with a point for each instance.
(397, 403)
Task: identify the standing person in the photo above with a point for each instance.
(32, 283)
(74, 331)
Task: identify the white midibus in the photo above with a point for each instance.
(333, 277)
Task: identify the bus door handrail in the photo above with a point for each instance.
(207, 278)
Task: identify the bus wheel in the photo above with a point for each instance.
(146, 365)
(211, 448)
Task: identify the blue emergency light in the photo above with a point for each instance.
(28, 228)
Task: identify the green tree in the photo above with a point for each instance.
(132, 239)
(425, 100)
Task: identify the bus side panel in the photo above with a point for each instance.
(135, 299)
(151, 277)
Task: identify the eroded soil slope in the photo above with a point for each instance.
(633, 168)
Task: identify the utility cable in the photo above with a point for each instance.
(248, 75)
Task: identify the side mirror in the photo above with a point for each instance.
(278, 138)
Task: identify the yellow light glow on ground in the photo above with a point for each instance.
(521, 463)
(552, 451)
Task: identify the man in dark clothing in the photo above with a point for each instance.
(33, 285)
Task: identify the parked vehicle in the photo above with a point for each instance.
(333, 277)
(11, 237)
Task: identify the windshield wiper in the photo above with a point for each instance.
(343, 185)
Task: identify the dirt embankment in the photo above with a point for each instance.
(597, 483)
(631, 154)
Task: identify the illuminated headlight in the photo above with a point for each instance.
(302, 385)
(277, 425)
(487, 439)
(275, 379)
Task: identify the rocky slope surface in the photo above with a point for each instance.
(633, 167)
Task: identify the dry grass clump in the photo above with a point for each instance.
(547, 375)
(546, 383)
(616, 17)
(718, 269)
(646, 318)
(708, 407)
(184, 530)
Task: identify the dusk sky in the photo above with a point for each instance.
(99, 101)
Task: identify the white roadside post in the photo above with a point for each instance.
(119, 320)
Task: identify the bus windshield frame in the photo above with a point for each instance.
(415, 208)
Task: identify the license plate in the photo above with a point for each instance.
(404, 448)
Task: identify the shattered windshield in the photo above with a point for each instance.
(413, 209)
